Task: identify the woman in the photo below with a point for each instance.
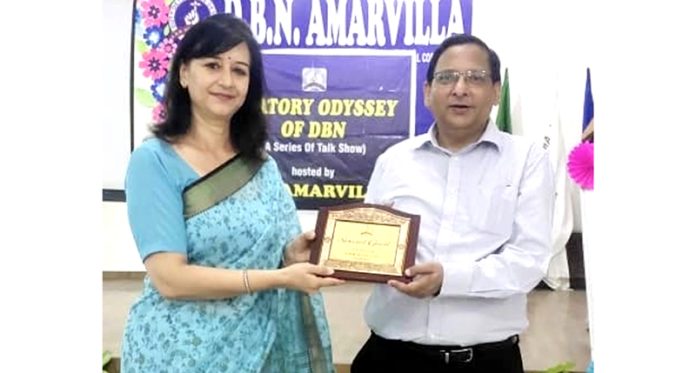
(214, 226)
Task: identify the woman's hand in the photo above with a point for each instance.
(298, 250)
(307, 277)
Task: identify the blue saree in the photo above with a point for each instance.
(269, 331)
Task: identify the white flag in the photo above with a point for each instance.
(558, 275)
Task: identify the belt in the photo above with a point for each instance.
(452, 354)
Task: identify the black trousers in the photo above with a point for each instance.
(385, 355)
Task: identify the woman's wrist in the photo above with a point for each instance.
(281, 277)
(260, 280)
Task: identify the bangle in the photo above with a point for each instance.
(245, 278)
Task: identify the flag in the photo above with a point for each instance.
(587, 213)
(588, 111)
(558, 274)
(504, 119)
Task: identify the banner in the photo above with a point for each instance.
(326, 137)
(345, 78)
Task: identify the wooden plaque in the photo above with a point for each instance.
(365, 242)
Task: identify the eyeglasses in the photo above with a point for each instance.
(450, 77)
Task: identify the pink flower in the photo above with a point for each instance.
(168, 46)
(154, 12)
(581, 165)
(159, 113)
(155, 64)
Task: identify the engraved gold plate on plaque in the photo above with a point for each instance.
(365, 242)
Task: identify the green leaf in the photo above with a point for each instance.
(141, 46)
(145, 98)
(106, 357)
(561, 368)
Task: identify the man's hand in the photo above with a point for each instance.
(299, 249)
(427, 280)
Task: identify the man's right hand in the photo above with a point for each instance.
(427, 280)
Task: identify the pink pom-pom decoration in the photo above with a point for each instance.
(581, 165)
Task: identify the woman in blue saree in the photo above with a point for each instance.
(228, 288)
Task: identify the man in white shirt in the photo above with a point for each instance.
(485, 199)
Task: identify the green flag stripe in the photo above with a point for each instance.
(504, 119)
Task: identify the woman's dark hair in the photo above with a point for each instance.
(210, 37)
(459, 39)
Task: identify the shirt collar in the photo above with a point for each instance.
(491, 135)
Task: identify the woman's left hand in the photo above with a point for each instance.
(298, 250)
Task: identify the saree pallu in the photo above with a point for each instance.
(238, 217)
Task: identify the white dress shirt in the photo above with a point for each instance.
(486, 215)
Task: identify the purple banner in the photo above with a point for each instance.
(330, 116)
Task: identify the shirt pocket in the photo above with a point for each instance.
(494, 208)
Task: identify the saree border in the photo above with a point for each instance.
(219, 184)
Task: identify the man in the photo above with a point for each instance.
(485, 199)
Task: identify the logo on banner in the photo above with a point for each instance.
(186, 13)
(314, 79)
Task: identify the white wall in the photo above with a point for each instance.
(540, 42)
(116, 23)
